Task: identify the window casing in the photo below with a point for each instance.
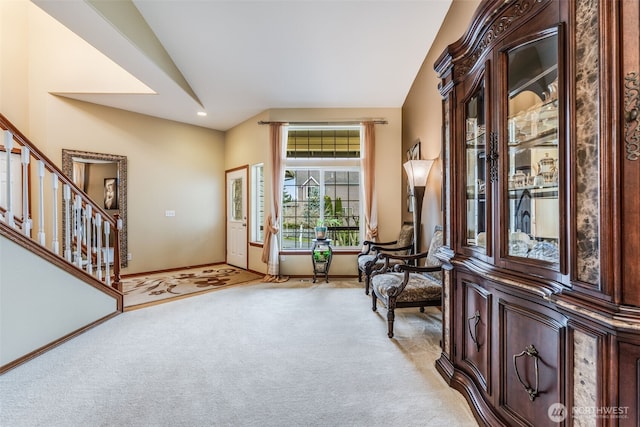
(322, 183)
(257, 207)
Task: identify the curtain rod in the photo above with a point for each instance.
(351, 122)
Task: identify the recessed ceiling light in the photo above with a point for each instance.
(202, 113)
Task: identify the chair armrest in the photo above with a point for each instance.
(386, 256)
(375, 261)
(407, 270)
(406, 267)
(378, 248)
(384, 243)
(413, 269)
(369, 244)
(382, 255)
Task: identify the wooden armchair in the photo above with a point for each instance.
(408, 285)
(368, 259)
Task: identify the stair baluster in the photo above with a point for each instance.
(55, 247)
(8, 145)
(85, 225)
(25, 160)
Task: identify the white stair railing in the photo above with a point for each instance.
(8, 179)
(63, 212)
(25, 160)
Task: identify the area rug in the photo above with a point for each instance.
(153, 288)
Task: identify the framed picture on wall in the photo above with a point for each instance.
(412, 154)
(111, 193)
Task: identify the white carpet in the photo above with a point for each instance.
(257, 355)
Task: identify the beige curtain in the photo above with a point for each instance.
(78, 175)
(367, 162)
(270, 250)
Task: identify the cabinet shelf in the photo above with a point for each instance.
(527, 85)
(542, 109)
(546, 191)
(475, 197)
(477, 141)
(547, 138)
(535, 192)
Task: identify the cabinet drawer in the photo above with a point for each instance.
(531, 362)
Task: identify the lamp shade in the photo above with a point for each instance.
(418, 172)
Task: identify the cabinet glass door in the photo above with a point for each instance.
(532, 155)
(476, 176)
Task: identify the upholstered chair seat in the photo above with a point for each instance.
(366, 261)
(420, 287)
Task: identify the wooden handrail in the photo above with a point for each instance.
(49, 165)
(88, 208)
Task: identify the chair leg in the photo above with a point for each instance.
(367, 283)
(390, 318)
(374, 301)
(359, 275)
(421, 309)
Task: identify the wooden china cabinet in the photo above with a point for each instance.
(542, 183)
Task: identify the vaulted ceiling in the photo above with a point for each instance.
(236, 58)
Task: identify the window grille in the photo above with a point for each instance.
(257, 208)
(343, 143)
(322, 184)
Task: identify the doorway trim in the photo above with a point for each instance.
(244, 173)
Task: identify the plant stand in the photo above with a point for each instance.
(321, 254)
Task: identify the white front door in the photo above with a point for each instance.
(236, 209)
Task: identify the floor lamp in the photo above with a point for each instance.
(417, 174)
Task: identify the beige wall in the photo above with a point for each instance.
(14, 60)
(171, 166)
(97, 173)
(421, 112)
(181, 167)
(248, 143)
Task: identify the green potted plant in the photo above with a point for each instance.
(321, 230)
(321, 256)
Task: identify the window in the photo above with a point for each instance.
(324, 142)
(322, 183)
(257, 207)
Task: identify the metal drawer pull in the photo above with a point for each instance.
(474, 334)
(531, 352)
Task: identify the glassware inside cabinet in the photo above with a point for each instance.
(476, 173)
(532, 129)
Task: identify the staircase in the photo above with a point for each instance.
(59, 254)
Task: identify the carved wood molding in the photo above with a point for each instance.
(513, 13)
(121, 163)
(493, 157)
(632, 110)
